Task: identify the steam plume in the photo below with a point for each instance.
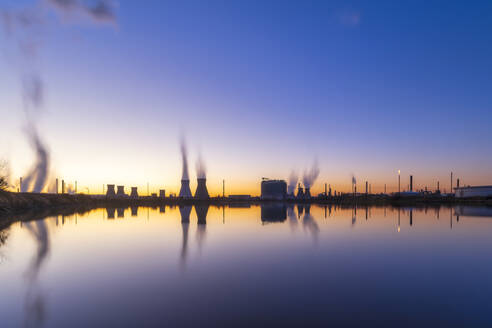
(184, 156)
(35, 180)
(354, 181)
(293, 178)
(311, 175)
(201, 169)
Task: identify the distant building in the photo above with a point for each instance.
(476, 191)
(273, 189)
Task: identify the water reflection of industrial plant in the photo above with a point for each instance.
(201, 213)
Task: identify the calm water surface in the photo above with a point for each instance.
(255, 266)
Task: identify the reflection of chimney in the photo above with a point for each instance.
(300, 192)
(201, 189)
(185, 191)
(134, 193)
(110, 211)
(201, 213)
(110, 191)
(185, 212)
(120, 191)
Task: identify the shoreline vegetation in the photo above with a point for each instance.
(44, 204)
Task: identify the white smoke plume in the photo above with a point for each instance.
(184, 157)
(354, 181)
(311, 175)
(293, 178)
(35, 180)
(201, 169)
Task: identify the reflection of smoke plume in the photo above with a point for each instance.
(311, 175)
(36, 178)
(184, 156)
(97, 10)
(201, 169)
(310, 224)
(35, 309)
(293, 178)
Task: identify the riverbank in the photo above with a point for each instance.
(19, 203)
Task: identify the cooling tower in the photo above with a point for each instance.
(201, 189)
(185, 191)
(120, 191)
(134, 193)
(162, 193)
(307, 194)
(110, 192)
(300, 192)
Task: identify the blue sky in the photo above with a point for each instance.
(261, 87)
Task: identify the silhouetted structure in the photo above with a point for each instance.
(162, 193)
(185, 191)
(134, 193)
(273, 189)
(300, 192)
(120, 192)
(110, 191)
(201, 189)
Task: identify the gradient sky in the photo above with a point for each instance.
(260, 88)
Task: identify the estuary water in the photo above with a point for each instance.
(252, 266)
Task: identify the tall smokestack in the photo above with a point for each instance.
(63, 186)
(201, 189)
(411, 183)
(56, 187)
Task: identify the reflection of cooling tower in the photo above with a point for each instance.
(185, 212)
(134, 193)
(120, 192)
(110, 192)
(300, 192)
(201, 189)
(134, 211)
(121, 212)
(185, 191)
(162, 209)
(307, 194)
(110, 211)
(162, 193)
(201, 213)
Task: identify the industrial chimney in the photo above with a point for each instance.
(110, 191)
(307, 193)
(300, 192)
(201, 189)
(411, 183)
(134, 193)
(120, 191)
(185, 191)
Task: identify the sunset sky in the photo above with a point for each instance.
(259, 88)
